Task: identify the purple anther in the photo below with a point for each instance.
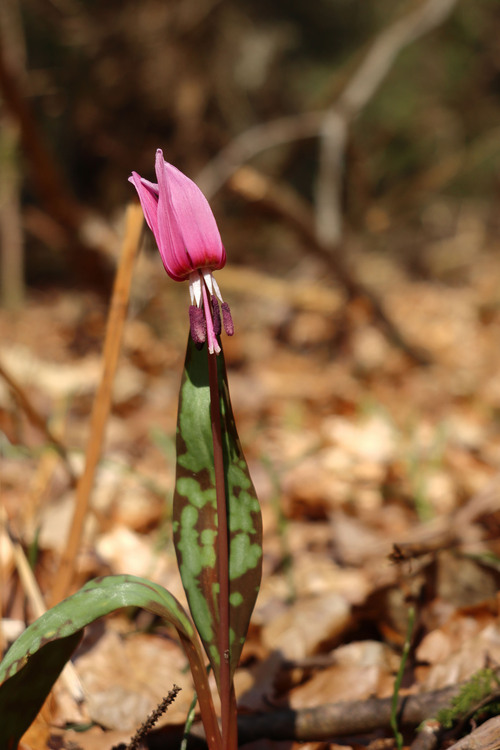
(227, 319)
(197, 324)
(216, 315)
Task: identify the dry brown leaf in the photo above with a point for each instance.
(306, 625)
(462, 646)
(127, 552)
(95, 738)
(126, 677)
(360, 670)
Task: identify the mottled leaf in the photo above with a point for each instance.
(35, 660)
(195, 510)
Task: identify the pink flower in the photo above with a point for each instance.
(190, 246)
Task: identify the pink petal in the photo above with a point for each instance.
(170, 240)
(197, 230)
(197, 222)
(148, 196)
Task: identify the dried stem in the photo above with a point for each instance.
(102, 402)
(227, 715)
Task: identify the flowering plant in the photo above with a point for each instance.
(190, 246)
(216, 516)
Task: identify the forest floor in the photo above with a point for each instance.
(379, 480)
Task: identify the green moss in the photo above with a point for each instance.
(471, 695)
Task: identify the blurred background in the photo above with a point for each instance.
(91, 89)
(350, 150)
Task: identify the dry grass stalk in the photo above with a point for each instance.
(102, 401)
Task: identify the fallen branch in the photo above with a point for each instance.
(342, 719)
(322, 723)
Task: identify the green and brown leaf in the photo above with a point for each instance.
(195, 510)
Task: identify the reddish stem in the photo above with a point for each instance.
(228, 704)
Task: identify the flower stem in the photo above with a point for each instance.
(228, 704)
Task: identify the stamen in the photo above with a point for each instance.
(213, 344)
(227, 319)
(197, 324)
(216, 315)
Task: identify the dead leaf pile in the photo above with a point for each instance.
(378, 478)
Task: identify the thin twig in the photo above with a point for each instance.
(102, 401)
